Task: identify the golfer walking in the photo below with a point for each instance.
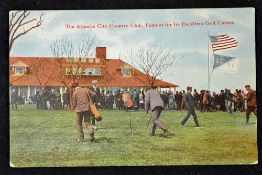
(154, 102)
(81, 106)
(190, 107)
(251, 102)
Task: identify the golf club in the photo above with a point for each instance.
(130, 125)
(149, 121)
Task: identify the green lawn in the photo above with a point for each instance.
(41, 138)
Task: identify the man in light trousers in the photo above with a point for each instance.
(154, 102)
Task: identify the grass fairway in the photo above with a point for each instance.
(41, 138)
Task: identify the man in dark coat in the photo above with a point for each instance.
(58, 103)
(118, 98)
(154, 102)
(111, 100)
(66, 99)
(222, 100)
(228, 101)
(196, 98)
(190, 107)
(183, 103)
(164, 98)
(14, 99)
(177, 100)
(52, 99)
(136, 100)
(37, 99)
(201, 97)
(43, 98)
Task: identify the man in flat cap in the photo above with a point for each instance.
(81, 106)
(14, 99)
(190, 107)
(154, 102)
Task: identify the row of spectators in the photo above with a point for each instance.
(204, 100)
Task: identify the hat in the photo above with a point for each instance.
(188, 87)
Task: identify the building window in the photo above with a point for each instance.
(97, 71)
(92, 71)
(77, 71)
(86, 71)
(126, 72)
(19, 70)
(83, 60)
(97, 60)
(74, 71)
(68, 71)
(90, 60)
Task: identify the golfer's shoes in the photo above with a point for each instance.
(92, 137)
(198, 127)
(80, 140)
(94, 127)
(92, 140)
(181, 126)
(166, 132)
(151, 134)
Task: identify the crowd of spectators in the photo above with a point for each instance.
(205, 101)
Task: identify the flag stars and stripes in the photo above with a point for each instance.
(221, 42)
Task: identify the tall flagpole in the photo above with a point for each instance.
(208, 76)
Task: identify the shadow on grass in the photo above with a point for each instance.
(106, 128)
(105, 139)
(171, 135)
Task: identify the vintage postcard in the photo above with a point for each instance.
(132, 87)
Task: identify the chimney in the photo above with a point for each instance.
(101, 53)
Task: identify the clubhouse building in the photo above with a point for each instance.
(30, 74)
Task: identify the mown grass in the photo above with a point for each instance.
(41, 138)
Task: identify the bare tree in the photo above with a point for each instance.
(152, 61)
(42, 72)
(20, 24)
(72, 57)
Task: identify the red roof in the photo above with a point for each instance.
(111, 74)
(19, 64)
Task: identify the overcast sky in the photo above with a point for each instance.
(189, 43)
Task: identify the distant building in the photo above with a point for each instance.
(112, 74)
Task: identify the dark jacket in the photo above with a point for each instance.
(14, 97)
(95, 98)
(189, 100)
(228, 96)
(66, 98)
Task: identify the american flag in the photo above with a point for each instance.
(221, 42)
